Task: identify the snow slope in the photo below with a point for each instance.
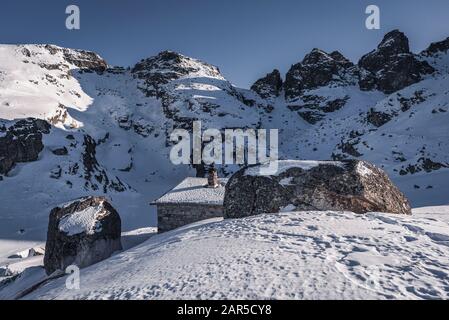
(292, 255)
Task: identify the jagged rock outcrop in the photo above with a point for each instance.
(314, 108)
(349, 185)
(318, 69)
(168, 66)
(436, 48)
(81, 233)
(95, 175)
(378, 118)
(437, 55)
(85, 60)
(269, 86)
(21, 142)
(391, 67)
(423, 164)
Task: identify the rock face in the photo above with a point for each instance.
(82, 233)
(318, 69)
(269, 86)
(391, 67)
(437, 47)
(350, 185)
(21, 142)
(168, 66)
(85, 60)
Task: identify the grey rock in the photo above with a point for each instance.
(349, 185)
(60, 151)
(319, 69)
(316, 107)
(82, 246)
(378, 118)
(269, 86)
(391, 67)
(85, 60)
(22, 142)
(436, 48)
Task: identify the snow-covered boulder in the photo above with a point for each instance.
(351, 185)
(81, 233)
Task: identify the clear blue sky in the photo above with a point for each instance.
(245, 38)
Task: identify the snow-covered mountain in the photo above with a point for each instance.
(110, 125)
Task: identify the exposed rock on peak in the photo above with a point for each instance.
(337, 56)
(316, 56)
(172, 65)
(168, 66)
(85, 60)
(318, 69)
(437, 55)
(437, 47)
(391, 67)
(394, 42)
(269, 86)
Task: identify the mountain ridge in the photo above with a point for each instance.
(115, 123)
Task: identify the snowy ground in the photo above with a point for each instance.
(294, 255)
(27, 269)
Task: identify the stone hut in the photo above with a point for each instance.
(194, 199)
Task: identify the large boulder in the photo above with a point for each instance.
(21, 141)
(81, 233)
(350, 185)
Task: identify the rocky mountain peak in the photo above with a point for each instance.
(437, 55)
(318, 69)
(316, 56)
(172, 65)
(391, 67)
(86, 60)
(269, 86)
(394, 42)
(437, 47)
(337, 56)
(168, 66)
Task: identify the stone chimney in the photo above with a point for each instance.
(212, 178)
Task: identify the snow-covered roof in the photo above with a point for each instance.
(194, 191)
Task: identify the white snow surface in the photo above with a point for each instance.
(291, 255)
(195, 190)
(363, 170)
(84, 221)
